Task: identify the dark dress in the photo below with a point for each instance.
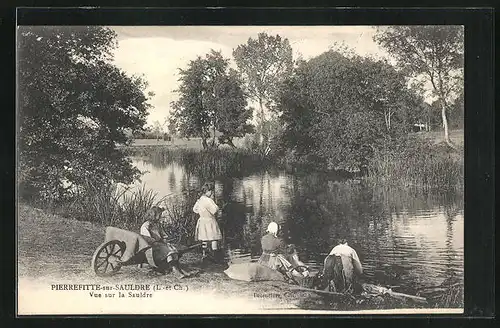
(273, 250)
(341, 267)
(163, 252)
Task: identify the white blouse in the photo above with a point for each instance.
(205, 207)
(348, 251)
(145, 229)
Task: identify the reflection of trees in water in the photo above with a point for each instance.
(321, 211)
(451, 212)
(317, 210)
(269, 192)
(415, 200)
(309, 218)
(261, 211)
(172, 180)
(234, 214)
(243, 228)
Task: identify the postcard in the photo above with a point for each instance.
(240, 169)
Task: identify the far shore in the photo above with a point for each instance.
(456, 135)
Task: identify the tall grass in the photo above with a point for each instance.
(208, 164)
(110, 205)
(418, 164)
(180, 220)
(126, 208)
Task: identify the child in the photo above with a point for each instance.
(207, 229)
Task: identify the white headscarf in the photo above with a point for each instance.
(273, 228)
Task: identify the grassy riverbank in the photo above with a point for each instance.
(53, 249)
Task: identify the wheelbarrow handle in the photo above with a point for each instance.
(168, 240)
(188, 248)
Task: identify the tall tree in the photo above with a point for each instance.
(74, 107)
(232, 112)
(189, 111)
(211, 100)
(157, 129)
(337, 110)
(264, 63)
(435, 53)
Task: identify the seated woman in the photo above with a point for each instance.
(165, 254)
(278, 262)
(274, 253)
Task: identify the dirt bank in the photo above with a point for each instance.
(55, 250)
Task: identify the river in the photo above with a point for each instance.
(412, 239)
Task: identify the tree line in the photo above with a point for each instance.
(335, 108)
(75, 106)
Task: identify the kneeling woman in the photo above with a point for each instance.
(342, 269)
(165, 254)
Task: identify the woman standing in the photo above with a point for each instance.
(207, 229)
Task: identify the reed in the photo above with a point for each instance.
(208, 164)
(93, 203)
(180, 220)
(418, 164)
(109, 205)
(452, 297)
(134, 206)
(126, 208)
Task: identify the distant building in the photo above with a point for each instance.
(418, 127)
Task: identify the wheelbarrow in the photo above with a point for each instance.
(125, 248)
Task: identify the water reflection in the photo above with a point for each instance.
(409, 238)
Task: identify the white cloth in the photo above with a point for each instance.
(345, 250)
(145, 229)
(273, 228)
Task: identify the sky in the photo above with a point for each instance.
(157, 52)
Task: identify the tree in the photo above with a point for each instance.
(433, 52)
(157, 129)
(188, 112)
(211, 99)
(74, 108)
(172, 126)
(233, 114)
(264, 63)
(386, 90)
(337, 110)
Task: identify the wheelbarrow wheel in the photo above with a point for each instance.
(106, 258)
